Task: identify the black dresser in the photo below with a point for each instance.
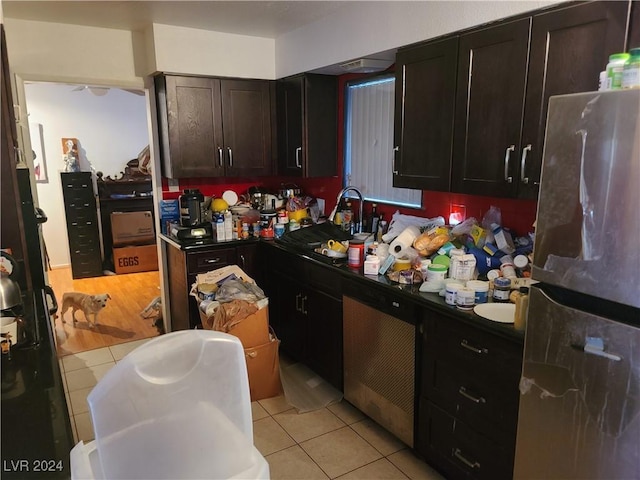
(82, 224)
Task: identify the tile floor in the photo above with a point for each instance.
(334, 442)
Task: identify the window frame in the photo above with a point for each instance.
(346, 164)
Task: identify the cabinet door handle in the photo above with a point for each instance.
(244, 264)
(468, 346)
(298, 302)
(230, 152)
(469, 463)
(298, 154)
(523, 164)
(304, 310)
(19, 154)
(220, 160)
(213, 260)
(463, 391)
(395, 150)
(507, 156)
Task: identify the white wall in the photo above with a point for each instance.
(111, 130)
(193, 51)
(71, 53)
(80, 54)
(366, 28)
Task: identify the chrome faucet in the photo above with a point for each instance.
(357, 226)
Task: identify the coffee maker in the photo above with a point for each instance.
(192, 226)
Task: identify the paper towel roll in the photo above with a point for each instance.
(404, 241)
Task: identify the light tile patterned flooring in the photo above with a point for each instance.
(334, 442)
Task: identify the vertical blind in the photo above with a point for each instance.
(369, 142)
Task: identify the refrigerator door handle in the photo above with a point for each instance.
(595, 346)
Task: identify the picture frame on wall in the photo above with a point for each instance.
(37, 146)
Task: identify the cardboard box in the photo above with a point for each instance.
(263, 370)
(132, 228)
(141, 258)
(253, 331)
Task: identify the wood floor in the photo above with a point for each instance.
(118, 322)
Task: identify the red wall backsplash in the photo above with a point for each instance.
(518, 215)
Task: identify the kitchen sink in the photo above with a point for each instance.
(307, 240)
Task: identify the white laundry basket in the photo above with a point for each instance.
(176, 407)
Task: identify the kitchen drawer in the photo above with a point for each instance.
(285, 263)
(324, 279)
(472, 349)
(486, 400)
(205, 261)
(458, 450)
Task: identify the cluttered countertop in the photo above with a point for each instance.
(458, 270)
(411, 292)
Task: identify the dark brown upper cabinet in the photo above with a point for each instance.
(492, 72)
(424, 108)
(211, 127)
(502, 98)
(569, 49)
(307, 111)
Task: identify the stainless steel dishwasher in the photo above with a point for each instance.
(379, 356)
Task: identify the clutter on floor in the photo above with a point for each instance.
(230, 301)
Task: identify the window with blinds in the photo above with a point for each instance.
(368, 159)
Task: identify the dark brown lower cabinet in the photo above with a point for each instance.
(468, 399)
(305, 311)
(458, 450)
(183, 267)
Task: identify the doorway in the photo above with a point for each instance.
(110, 127)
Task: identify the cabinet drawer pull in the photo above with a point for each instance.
(213, 260)
(471, 464)
(244, 263)
(523, 164)
(477, 350)
(298, 153)
(507, 156)
(230, 152)
(463, 391)
(220, 156)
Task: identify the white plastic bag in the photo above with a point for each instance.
(400, 221)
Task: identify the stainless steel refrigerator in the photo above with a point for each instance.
(580, 388)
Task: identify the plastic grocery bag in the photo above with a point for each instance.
(400, 221)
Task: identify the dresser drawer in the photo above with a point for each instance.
(84, 242)
(86, 263)
(83, 209)
(76, 181)
(205, 261)
(460, 451)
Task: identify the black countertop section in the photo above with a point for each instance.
(204, 243)
(36, 429)
(430, 301)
